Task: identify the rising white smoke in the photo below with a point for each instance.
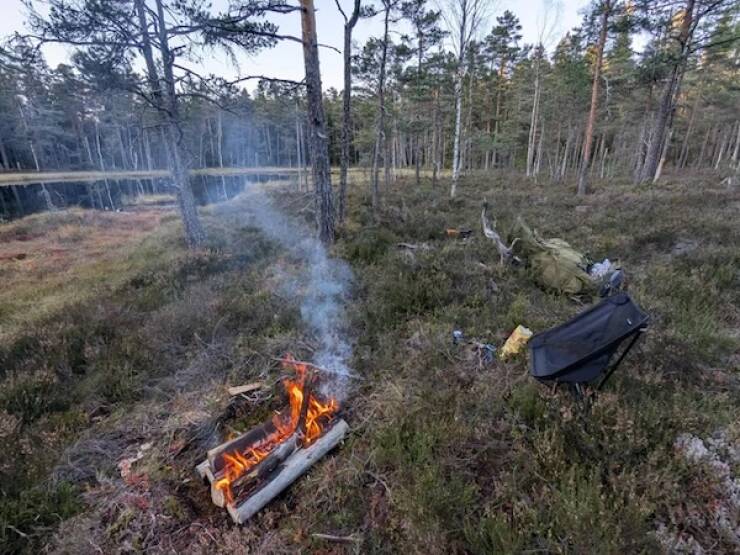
(322, 285)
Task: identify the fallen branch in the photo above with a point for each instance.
(246, 388)
(338, 539)
(505, 253)
(412, 246)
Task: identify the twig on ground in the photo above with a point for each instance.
(341, 539)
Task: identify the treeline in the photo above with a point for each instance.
(522, 107)
(70, 118)
(639, 86)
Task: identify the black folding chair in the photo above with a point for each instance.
(578, 351)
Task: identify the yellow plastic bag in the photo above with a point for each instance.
(515, 342)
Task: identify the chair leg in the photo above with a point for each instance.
(619, 360)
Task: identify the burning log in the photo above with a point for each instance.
(262, 469)
(296, 465)
(244, 470)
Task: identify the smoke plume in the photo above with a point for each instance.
(321, 284)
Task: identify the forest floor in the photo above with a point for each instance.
(117, 344)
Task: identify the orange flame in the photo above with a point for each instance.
(318, 413)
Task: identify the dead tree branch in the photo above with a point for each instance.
(505, 253)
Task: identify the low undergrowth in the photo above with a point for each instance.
(447, 453)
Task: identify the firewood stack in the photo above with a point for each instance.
(247, 472)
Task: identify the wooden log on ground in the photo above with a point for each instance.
(296, 465)
(216, 455)
(260, 470)
(246, 388)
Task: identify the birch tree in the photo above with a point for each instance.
(463, 19)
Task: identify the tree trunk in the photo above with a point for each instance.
(684, 153)
(219, 141)
(459, 76)
(668, 99)
(349, 25)
(534, 116)
(458, 131)
(664, 154)
(319, 140)
(4, 163)
(166, 98)
(380, 140)
(436, 139)
(102, 166)
(589, 137)
(299, 157)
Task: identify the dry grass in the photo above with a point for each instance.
(17, 178)
(51, 260)
(445, 455)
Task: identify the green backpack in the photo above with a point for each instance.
(554, 264)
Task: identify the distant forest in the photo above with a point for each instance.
(523, 107)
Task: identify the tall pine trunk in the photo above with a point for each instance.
(318, 136)
(668, 98)
(589, 137)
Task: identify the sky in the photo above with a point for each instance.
(285, 61)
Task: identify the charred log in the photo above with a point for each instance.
(295, 466)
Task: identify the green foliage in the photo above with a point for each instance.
(369, 247)
(36, 508)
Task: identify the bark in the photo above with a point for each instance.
(659, 169)
(165, 98)
(436, 139)
(299, 158)
(467, 10)
(534, 117)
(417, 152)
(668, 99)
(349, 25)
(102, 166)
(499, 100)
(700, 158)
(380, 139)
(589, 137)
(458, 131)
(4, 163)
(219, 142)
(319, 140)
(721, 153)
(684, 153)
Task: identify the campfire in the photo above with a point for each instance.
(247, 472)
